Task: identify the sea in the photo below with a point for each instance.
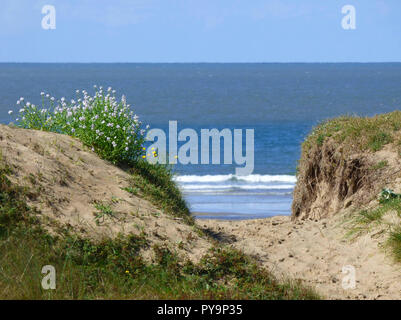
(280, 102)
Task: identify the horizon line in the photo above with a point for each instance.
(202, 62)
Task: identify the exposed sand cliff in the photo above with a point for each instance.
(331, 180)
(344, 166)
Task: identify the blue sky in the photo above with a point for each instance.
(200, 31)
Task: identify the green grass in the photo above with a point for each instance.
(134, 191)
(380, 165)
(357, 133)
(394, 242)
(104, 211)
(154, 182)
(364, 220)
(114, 269)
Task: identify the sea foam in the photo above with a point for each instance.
(253, 178)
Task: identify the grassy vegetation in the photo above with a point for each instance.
(358, 133)
(376, 215)
(114, 269)
(380, 165)
(366, 220)
(154, 182)
(111, 129)
(363, 134)
(394, 243)
(101, 122)
(104, 211)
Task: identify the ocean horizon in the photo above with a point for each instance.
(280, 101)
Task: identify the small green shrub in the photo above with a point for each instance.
(104, 210)
(102, 123)
(320, 139)
(377, 141)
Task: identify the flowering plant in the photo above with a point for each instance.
(107, 126)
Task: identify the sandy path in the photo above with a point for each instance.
(315, 252)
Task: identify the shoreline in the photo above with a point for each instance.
(219, 216)
(231, 215)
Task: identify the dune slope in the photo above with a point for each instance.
(73, 187)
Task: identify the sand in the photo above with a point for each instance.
(66, 180)
(315, 253)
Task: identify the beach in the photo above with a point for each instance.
(287, 223)
(280, 102)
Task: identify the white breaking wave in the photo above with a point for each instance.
(231, 177)
(236, 186)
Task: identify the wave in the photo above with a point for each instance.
(233, 186)
(231, 177)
